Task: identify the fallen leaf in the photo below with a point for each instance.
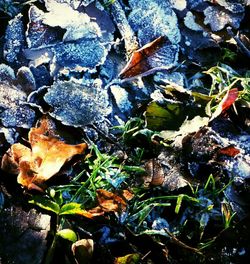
(83, 250)
(226, 102)
(128, 259)
(45, 158)
(168, 117)
(229, 151)
(145, 60)
(110, 202)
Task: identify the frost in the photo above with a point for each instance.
(38, 34)
(121, 98)
(218, 18)
(179, 4)
(13, 111)
(14, 39)
(81, 55)
(10, 134)
(73, 3)
(72, 41)
(157, 19)
(77, 105)
(168, 78)
(77, 25)
(190, 23)
(232, 6)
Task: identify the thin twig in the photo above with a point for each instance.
(182, 244)
(123, 26)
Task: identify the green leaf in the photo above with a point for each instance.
(67, 234)
(74, 208)
(169, 117)
(128, 259)
(45, 203)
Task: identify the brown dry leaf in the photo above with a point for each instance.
(110, 202)
(45, 158)
(155, 173)
(139, 62)
(83, 250)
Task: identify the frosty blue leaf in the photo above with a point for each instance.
(20, 116)
(218, 18)
(86, 54)
(190, 23)
(157, 19)
(7, 74)
(73, 3)
(168, 78)
(85, 45)
(14, 39)
(77, 25)
(232, 6)
(121, 98)
(13, 112)
(38, 34)
(178, 4)
(77, 105)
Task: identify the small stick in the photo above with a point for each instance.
(123, 26)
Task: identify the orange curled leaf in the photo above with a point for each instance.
(45, 158)
(139, 62)
(226, 102)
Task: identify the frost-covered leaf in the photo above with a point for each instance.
(77, 105)
(190, 22)
(71, 41)
(218, 18)
(73, 3)
(77, 25)
(152, 19)
(13, 111)
(38, 34)
(152, 56)
(232, 6)
(14, 40)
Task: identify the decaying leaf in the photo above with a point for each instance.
(148, 59)
(110, 202)
(165, 172)
(43, 160)
(226, 102)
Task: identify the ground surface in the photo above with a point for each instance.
(124, 131)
